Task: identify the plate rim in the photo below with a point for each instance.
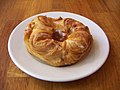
(48, 79)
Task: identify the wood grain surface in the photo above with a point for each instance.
(106, 13)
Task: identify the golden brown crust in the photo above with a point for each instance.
(58, 42)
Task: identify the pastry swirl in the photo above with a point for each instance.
(57, 41)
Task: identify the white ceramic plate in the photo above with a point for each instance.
(37, 69)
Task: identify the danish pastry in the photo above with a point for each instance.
(57, 41)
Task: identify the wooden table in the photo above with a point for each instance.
(106, 13)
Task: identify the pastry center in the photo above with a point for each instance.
(59, 35)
